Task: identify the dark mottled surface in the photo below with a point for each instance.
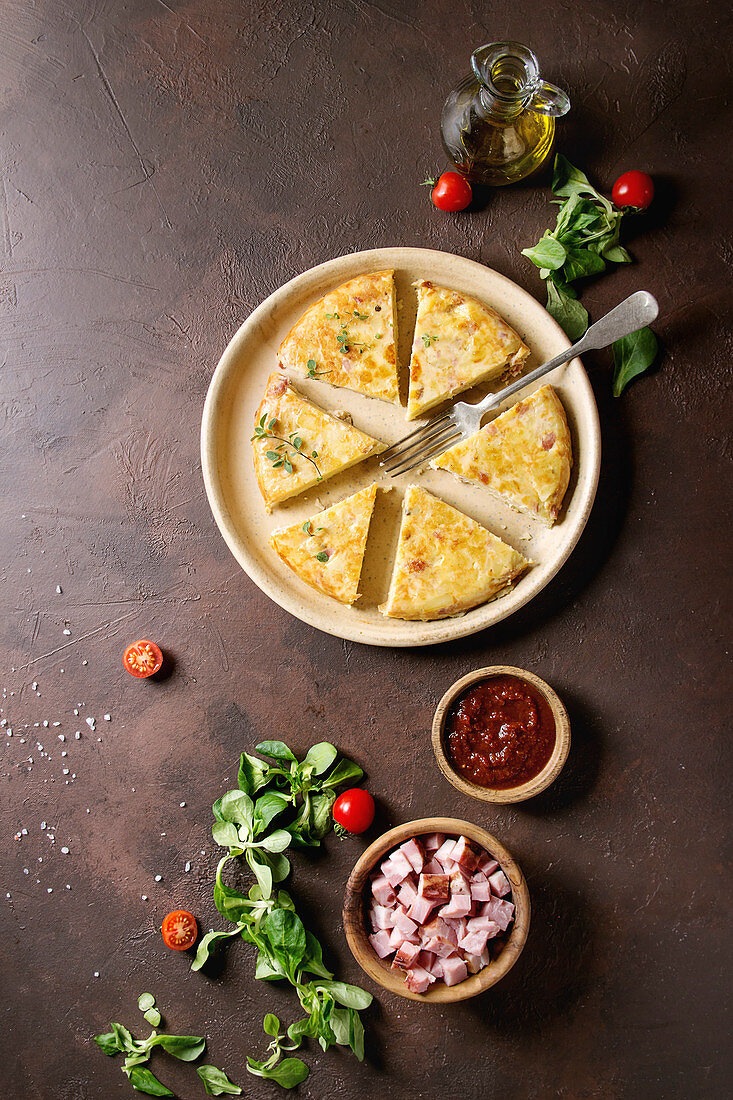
(163, 167)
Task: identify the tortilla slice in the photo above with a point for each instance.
(297, 444)
(348, 338)
(327, 550)
(524, 456)
(458, 342)
(446, 563)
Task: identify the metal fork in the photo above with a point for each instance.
(464, 419)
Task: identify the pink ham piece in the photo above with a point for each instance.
(406, 955)
(459, 906)
(483, 924)
(396, 939)
(403, 922)
(382, 891)
(454, 970)
(465, 854)
(473, 942)
(459, 884)
(440, 928)
(486, 864)
(433, 841)
(392, 874)
(432, 867)
(480, 891)
(440, 947)
(380, 943)
(406, 893)
(435, 887)
(444, 852)
(499, 911)
(418, 980)
(499, 884)
(381, 917)
(421, 909)
(413, 853)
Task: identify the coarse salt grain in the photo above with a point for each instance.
(65, 851)
(90, 722)
(108, 717)
(158, 878)
(58, 589)
(66, 630)
(181, 804)
(186, 868)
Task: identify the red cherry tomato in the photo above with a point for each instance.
(451, 192)
(354, 810)
(179, 930)
(142, 658)
(633, 189)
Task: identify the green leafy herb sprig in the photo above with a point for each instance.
(312, 371)
(584, 242)
(279, 457)
(428, 340)
(282, 803)
(118, 1040)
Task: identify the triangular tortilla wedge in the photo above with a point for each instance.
(327, 550)
(524, 456)
(458, 342)
(297, 444)
(348, 338)
(446, 562)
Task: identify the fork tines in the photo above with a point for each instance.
(420, 445)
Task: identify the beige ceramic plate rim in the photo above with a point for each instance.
(305, 606)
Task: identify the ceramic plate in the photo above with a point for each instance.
(236, 390)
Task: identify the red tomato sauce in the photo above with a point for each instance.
(500, 733)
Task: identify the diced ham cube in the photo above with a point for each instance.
(487, 864)
(465, 853)
(432, 841)
(401, 863)
(437, 968)
(413, 853)
(439, 946)
(499, 884)
(473, 962)
(499, 911)
(444, 852)
(381, 917)
(403, 922)
(442, 928)
(459, 883)
(418, 980)
(421, 909)
(406, 893)
(483, 924)
(454, 970)
(396, 939)
(393, 874)
(459, 906)
(480, 891)
(380, 943)
(435, 887)
(382, 891)
(406, 955)
(432, 867)
(474, 942)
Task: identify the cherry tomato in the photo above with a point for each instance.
(451, 192)
(179, 930)
(354, 810)
(142, 658)
(633, 189)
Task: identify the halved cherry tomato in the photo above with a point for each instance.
(354, 810)
(633, 189)
(179, 930)
(142, 658)
(451, 191)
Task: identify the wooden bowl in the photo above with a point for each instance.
(543, 779)
(380, 970)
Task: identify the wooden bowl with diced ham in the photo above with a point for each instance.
(436, 910)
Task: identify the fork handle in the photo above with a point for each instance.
(633, 313)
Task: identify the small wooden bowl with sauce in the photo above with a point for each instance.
(381, 970)
(547, 703)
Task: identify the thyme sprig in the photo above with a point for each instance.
(279, 457)
(428, 340)
(311, 370)
(345, 342)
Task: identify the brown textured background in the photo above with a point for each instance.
(163, 167)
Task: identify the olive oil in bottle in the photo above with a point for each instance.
(498, 124)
